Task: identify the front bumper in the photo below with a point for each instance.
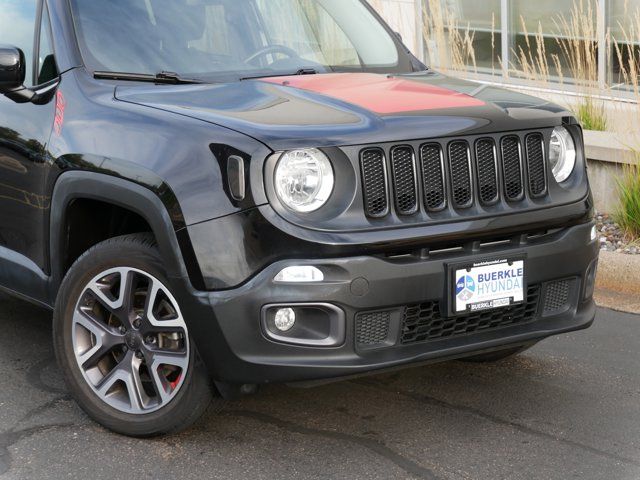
(231, 337)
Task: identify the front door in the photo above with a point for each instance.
(24, 132)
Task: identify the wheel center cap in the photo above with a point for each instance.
(133, 340)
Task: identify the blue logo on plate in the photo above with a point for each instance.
(465, 288)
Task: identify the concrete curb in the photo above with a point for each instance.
(618, 282)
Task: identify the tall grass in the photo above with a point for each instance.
(628, 215)
(628, 56)
(447, 40)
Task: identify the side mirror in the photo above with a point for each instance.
(12, 69)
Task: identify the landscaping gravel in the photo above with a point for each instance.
(612, 237)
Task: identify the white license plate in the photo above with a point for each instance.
(489, 285)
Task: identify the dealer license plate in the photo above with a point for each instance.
(489, 285)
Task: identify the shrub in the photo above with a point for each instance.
(628, 216)
(592, 115)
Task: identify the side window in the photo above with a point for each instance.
(17, 28)
(47, 69)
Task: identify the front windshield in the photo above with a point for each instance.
(232, 39)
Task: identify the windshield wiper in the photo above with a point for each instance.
(171, 78)
(302, 71)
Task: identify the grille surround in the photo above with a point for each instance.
(460, 174)
(433, 177)
(487, 171)
(405, 179)
(373, 169)
(512, 171)
(536, 165)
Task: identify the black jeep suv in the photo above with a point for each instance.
(258, 191)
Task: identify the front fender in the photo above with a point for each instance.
(173, 243)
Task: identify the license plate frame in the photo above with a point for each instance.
(487, 302)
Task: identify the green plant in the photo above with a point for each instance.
(628, 215)
(592, 114)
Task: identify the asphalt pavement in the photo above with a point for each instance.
(568, 408)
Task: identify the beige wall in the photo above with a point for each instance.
(401, 15)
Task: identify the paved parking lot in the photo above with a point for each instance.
(569, 408)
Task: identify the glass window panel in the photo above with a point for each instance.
(624, 28)
(464, 34)
(554, 40)
(47, 69)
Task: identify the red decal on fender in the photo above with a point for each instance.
(58, 121)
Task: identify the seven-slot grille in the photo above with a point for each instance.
(458, 173)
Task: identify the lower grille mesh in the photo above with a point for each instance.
(556, 296)
(424, 322)
(372, 328)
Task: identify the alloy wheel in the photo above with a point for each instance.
(130, 340)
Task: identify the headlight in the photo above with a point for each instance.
(562, 154)
(304, 180)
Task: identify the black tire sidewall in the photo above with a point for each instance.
(137, 252)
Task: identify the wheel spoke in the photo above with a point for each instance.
(161, 385)
(105, 339)
(154, 289)
(134, 384)
(98, 289)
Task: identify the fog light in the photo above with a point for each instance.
(594, 233)
(285, 319)
(300, 274)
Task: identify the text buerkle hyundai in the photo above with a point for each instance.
(213, 195)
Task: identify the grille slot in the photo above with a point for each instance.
(374, 183)
(433, 177)
(536, 165)
(512, 168)
(487, 171)
(404, 180)
(424, 322)
(372, 328)
(556, 296)
(460, 164)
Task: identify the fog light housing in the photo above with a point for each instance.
(299, 274)
(285, 319)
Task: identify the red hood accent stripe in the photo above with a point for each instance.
(379, 93)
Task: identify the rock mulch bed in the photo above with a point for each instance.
(612, 237)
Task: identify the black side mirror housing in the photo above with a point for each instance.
(12, 69)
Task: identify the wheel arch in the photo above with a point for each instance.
(169, 230)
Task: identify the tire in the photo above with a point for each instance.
(128, 359)
(497, 355)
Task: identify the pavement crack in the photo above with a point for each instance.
(34, 376)
(404, 463)
(10, 438)
(432, 401)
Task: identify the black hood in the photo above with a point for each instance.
(351, 109)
